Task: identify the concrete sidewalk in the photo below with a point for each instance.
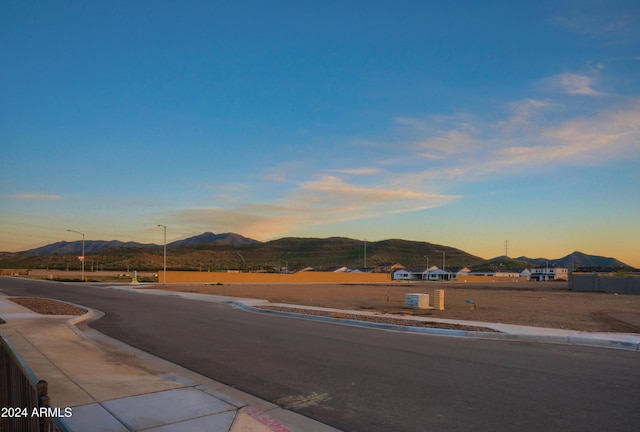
(112, 387)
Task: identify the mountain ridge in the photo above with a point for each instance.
(577, 259)
(96, 246)
(234, 251)
(209, 238)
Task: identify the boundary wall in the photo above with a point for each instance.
(604, 283)
(53, 274)
(299, 277)
(475, 278)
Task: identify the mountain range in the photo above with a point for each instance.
(577, 259)
(97, 246)
(210, 251)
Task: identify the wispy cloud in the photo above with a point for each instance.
(523, 138)
(574, 84)
(441, 154)
(324, 200)
(366, 171)
(35, 197)
(448, 143)
(523, 112)
(339, 194)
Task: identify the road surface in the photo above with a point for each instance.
(358, 379)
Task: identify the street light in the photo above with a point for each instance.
(365, 253)
(443, 262)
(165, 253)
(424, 256)
(82, 258)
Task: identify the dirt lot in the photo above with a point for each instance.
(48, 306)
(542, 304)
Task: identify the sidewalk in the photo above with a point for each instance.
(112, 387)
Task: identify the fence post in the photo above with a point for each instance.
(43, 401)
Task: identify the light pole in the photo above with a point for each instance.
(443, 262)
(424, 256)
(165, 253)
(82, 258)
(365, 253)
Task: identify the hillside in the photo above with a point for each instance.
(503, 263)
(209, 238)
(103, 246)
(90, 247)
(219, 252)
(295, 253)
(577, 260)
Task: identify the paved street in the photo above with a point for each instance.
(358, 379)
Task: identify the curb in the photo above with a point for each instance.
(566, 340)
(355, 323)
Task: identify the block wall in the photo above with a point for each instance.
(300, 277)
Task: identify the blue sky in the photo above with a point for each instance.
(466, 123)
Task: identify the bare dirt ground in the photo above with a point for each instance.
(48, 306)
(540, 304)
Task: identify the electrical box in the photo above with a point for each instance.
(438, 299)
(417, 301)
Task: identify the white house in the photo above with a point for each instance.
(439, 274)
(525, 273)
(412, 273)
(432, 273)
(402, 274)
(549, 273)
(499, 273)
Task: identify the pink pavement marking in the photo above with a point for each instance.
(268, 421)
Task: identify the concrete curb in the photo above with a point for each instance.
(356, 323)
(237, 411)
(89, 316)
(577, 339)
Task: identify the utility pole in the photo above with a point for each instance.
(82, 257)
(165, 254)
(424, 256)
(443, 263)
(365, 253)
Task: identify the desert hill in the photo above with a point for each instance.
(231, 251)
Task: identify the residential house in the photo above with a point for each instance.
(412, 273)
(387, 268)
(549, 273)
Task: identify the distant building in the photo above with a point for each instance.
(411, 273)
(432, 273)
(512, 273)
(459, 271)
(387, 268)
(549, 273)
(437, 274)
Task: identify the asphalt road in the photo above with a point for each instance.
(372, 380)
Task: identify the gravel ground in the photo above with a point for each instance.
(48, 306)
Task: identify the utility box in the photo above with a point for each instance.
(438, 299)
(417, 301)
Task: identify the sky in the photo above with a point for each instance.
(461, 123)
